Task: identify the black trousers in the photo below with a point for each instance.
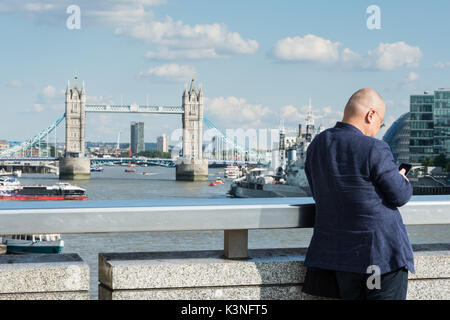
(392, 286)
(353, 286)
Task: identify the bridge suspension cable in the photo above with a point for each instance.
(242, 150)
(32, 141)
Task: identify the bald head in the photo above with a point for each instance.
(363, 100)
(362, 109)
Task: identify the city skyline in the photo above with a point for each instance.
(262, 63)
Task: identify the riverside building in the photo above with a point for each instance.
(429, 125)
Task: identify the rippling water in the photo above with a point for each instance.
(160, 183)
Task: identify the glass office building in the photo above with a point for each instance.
(429, 125)
(137, 137)
(441, 117)
(397, 137)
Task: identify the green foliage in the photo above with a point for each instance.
(440, 161)
(154, 154)
(428, 162)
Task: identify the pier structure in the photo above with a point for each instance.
(190, 166)
(236, 272)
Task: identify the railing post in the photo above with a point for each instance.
(236, 244)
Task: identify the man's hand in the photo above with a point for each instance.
(402, 172)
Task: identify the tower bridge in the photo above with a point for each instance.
(190, 166)
(75, 165)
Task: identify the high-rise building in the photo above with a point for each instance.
(429, 125)
(137, 137)
(162, 143)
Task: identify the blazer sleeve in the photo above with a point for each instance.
(396, 190)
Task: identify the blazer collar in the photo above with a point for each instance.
(348, 126)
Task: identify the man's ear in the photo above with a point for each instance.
(370, 115)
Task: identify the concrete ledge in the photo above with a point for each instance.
(431, 261)
(46, 276)
(266, 274)
(81, 295)
(200, 269)
(287, 292)
(433, 289)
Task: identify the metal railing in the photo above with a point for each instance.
(234, 216)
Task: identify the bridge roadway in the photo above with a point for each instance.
(134, 108)
(10, 161)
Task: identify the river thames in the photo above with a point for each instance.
(159, 183)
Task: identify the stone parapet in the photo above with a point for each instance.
(43, 276)
(267, 274)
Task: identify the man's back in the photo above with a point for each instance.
(357, 189)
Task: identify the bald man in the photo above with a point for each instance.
(360, 248)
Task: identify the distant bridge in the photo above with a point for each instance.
(105, 161)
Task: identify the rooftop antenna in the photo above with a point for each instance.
(309, 117)
(75, 85)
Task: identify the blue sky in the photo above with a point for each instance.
(259, 61)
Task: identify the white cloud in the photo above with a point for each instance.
(169, 72)
(442, 65)
(39, 6)
(14, 84)
(327, 110)
(412, 76)
(351, 59)
(100, 100)
(390, 56)
(311, 48)
(38, 107)
(175, 34)
(307, 48)
(49, 92)
(49, 98)
(410, 82)
(133, 18)
(232, 112)
(292, 114)
(168, 54)
(325, 116)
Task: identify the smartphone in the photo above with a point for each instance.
(405, 166)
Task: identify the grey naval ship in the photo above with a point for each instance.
(285, 177)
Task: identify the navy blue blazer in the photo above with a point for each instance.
(357, 189)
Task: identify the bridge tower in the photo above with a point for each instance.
(74, 164)
(192, 166)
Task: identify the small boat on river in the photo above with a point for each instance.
(33, 243)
